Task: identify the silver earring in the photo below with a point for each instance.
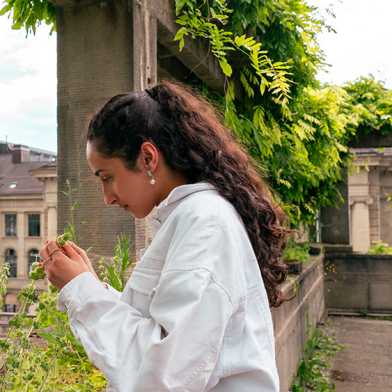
(152, 179)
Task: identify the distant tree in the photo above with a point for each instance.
(372, 103)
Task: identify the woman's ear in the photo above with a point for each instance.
(149, 155)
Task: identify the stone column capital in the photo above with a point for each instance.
(361, 199)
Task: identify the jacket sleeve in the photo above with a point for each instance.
(176, 349)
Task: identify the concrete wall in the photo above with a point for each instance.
(358, 283)
(294, 318)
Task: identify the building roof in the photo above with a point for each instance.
(40, 151)
(17, 179)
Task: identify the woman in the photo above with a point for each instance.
(195, 315)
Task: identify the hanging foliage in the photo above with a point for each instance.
(297, 130)
(30, 14)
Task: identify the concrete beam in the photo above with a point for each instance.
(161, 18)
(371, 140)
(195, 55)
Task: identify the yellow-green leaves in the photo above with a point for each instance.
(181, 33)
(37, 271)
(226, 67)
(210, 21)
(29, 14)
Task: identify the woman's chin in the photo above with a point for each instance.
(140, 214)
(137, 214)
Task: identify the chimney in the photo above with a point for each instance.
(4, 148)
(20, 153)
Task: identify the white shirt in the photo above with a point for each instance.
(194, 315)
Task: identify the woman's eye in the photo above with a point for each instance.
(106, 179)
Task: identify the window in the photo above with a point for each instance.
(33, 256)
(10, 224)
(10, 258)
(10, 308)
(34, 225)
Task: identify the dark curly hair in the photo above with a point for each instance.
(190, 134)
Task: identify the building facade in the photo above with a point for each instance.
(28, 211)
(370, 197)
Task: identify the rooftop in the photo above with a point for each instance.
(16, 163)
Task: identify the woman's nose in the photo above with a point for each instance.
(109, 199)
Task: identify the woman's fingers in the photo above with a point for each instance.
(80, 251)
(71, 252)
(52, 248)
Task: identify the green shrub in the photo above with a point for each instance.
(313, 371)
(380, 248)
(296, 252)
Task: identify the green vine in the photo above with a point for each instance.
(208, 19)
(296, 130)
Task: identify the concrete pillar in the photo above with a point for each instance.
(360, 223)
(104, 48)
(52, 222)
(360, 200)
(386, 204)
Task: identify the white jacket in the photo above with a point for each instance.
(193, 317)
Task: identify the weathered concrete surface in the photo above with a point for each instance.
(293, 318)
(358, 283)
(335, 228)
(365, 364)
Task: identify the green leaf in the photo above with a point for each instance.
(6, 9)
(226, 67)
(180, 37)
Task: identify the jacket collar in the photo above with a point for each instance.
(166, 206)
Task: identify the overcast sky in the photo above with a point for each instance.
(28, 66)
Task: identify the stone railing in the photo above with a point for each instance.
(293, 319)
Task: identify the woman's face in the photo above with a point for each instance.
(128, 189)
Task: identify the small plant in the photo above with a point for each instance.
(313, 371)
(380, 248)
(296, 252)
(116, 273)
(58, 361)
(37, 270)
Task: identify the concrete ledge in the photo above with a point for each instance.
(294, 318)
(358, 283)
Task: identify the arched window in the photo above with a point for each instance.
(10, 258)
(32, 257)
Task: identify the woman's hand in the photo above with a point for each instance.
(63, 264)
(69, 246)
